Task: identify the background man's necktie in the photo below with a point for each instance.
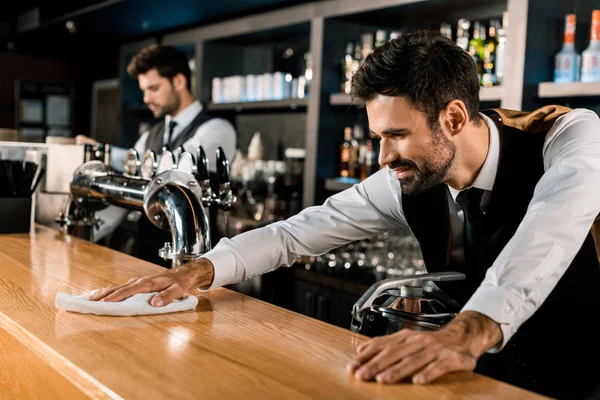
(172, 126)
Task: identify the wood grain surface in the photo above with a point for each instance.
(230, 346)
(24, 375)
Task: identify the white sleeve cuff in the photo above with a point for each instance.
(499, 305)
(226, 272)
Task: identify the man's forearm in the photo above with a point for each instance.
(480, 332)
(204, 273)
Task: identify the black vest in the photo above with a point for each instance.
(154, 141)
(548, 352)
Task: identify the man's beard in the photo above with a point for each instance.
(168, 108)
(434, 169)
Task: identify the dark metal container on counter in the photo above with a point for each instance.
(394, 304)
(15, 214)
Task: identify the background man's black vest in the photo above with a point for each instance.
(149, 239)
(548, 352)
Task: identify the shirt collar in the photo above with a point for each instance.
(487, 176)
(185, 117)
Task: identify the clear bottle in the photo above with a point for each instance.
(501, 49)
(462, 33)
(477, 46)
(446, 30)
(590, 68)
(380, 38)
(345, 152)
(347, 68)
(489, 59)
(566, 61)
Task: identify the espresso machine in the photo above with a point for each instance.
(406, 302)
(173, 191)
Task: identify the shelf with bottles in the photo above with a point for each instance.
(262, 70)
(575, 74)
(357, 157)
(479, 29)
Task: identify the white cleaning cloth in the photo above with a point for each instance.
(138, 304)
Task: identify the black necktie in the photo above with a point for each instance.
(172, 125)
(470, 203)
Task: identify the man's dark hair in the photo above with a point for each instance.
(425, 68)
(166, 59)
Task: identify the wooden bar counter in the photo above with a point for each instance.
(230, 346)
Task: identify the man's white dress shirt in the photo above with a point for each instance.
(565, 203)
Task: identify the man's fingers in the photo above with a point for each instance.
(385, 358)
(142, 285)
(407, 366)
(109, 290)
(173, 292)
(450, 362)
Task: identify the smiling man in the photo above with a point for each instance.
(528, 185)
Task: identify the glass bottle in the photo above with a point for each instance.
(566, 61)
(446, 30)
(590, 70)
(345, 152)
(380, 38)
(501, 49)
(489, 57)
(347, 68)
(462, 34)
(477, 46)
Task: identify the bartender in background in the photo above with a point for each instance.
(163, 74)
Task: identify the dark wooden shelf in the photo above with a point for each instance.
(260, 105)
(494, 93)
(573, 89)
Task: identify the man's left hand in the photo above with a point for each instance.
(426, 355)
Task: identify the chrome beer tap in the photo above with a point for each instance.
(225, 199)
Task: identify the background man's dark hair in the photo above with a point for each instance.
(424, 67)
(166, 59)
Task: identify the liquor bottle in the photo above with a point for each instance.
(356, 143)
(590, 71)
(501, 49)
(462, 34)
(394, 35)
(380, 38)
(358, 58)
(345, 152)
(308, 73)
(370, 165)
(477, 46)
(367, 40)
(446, 30)
(347, 68)
(489, 58)
(566, 61)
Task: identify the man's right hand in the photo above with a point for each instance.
(173, 284)
(82, 139)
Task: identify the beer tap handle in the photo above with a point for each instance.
(226, 197)
(201, 166)
(222, 167)
(203, 177)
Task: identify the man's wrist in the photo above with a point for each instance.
(480, 332)
(205, 273)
